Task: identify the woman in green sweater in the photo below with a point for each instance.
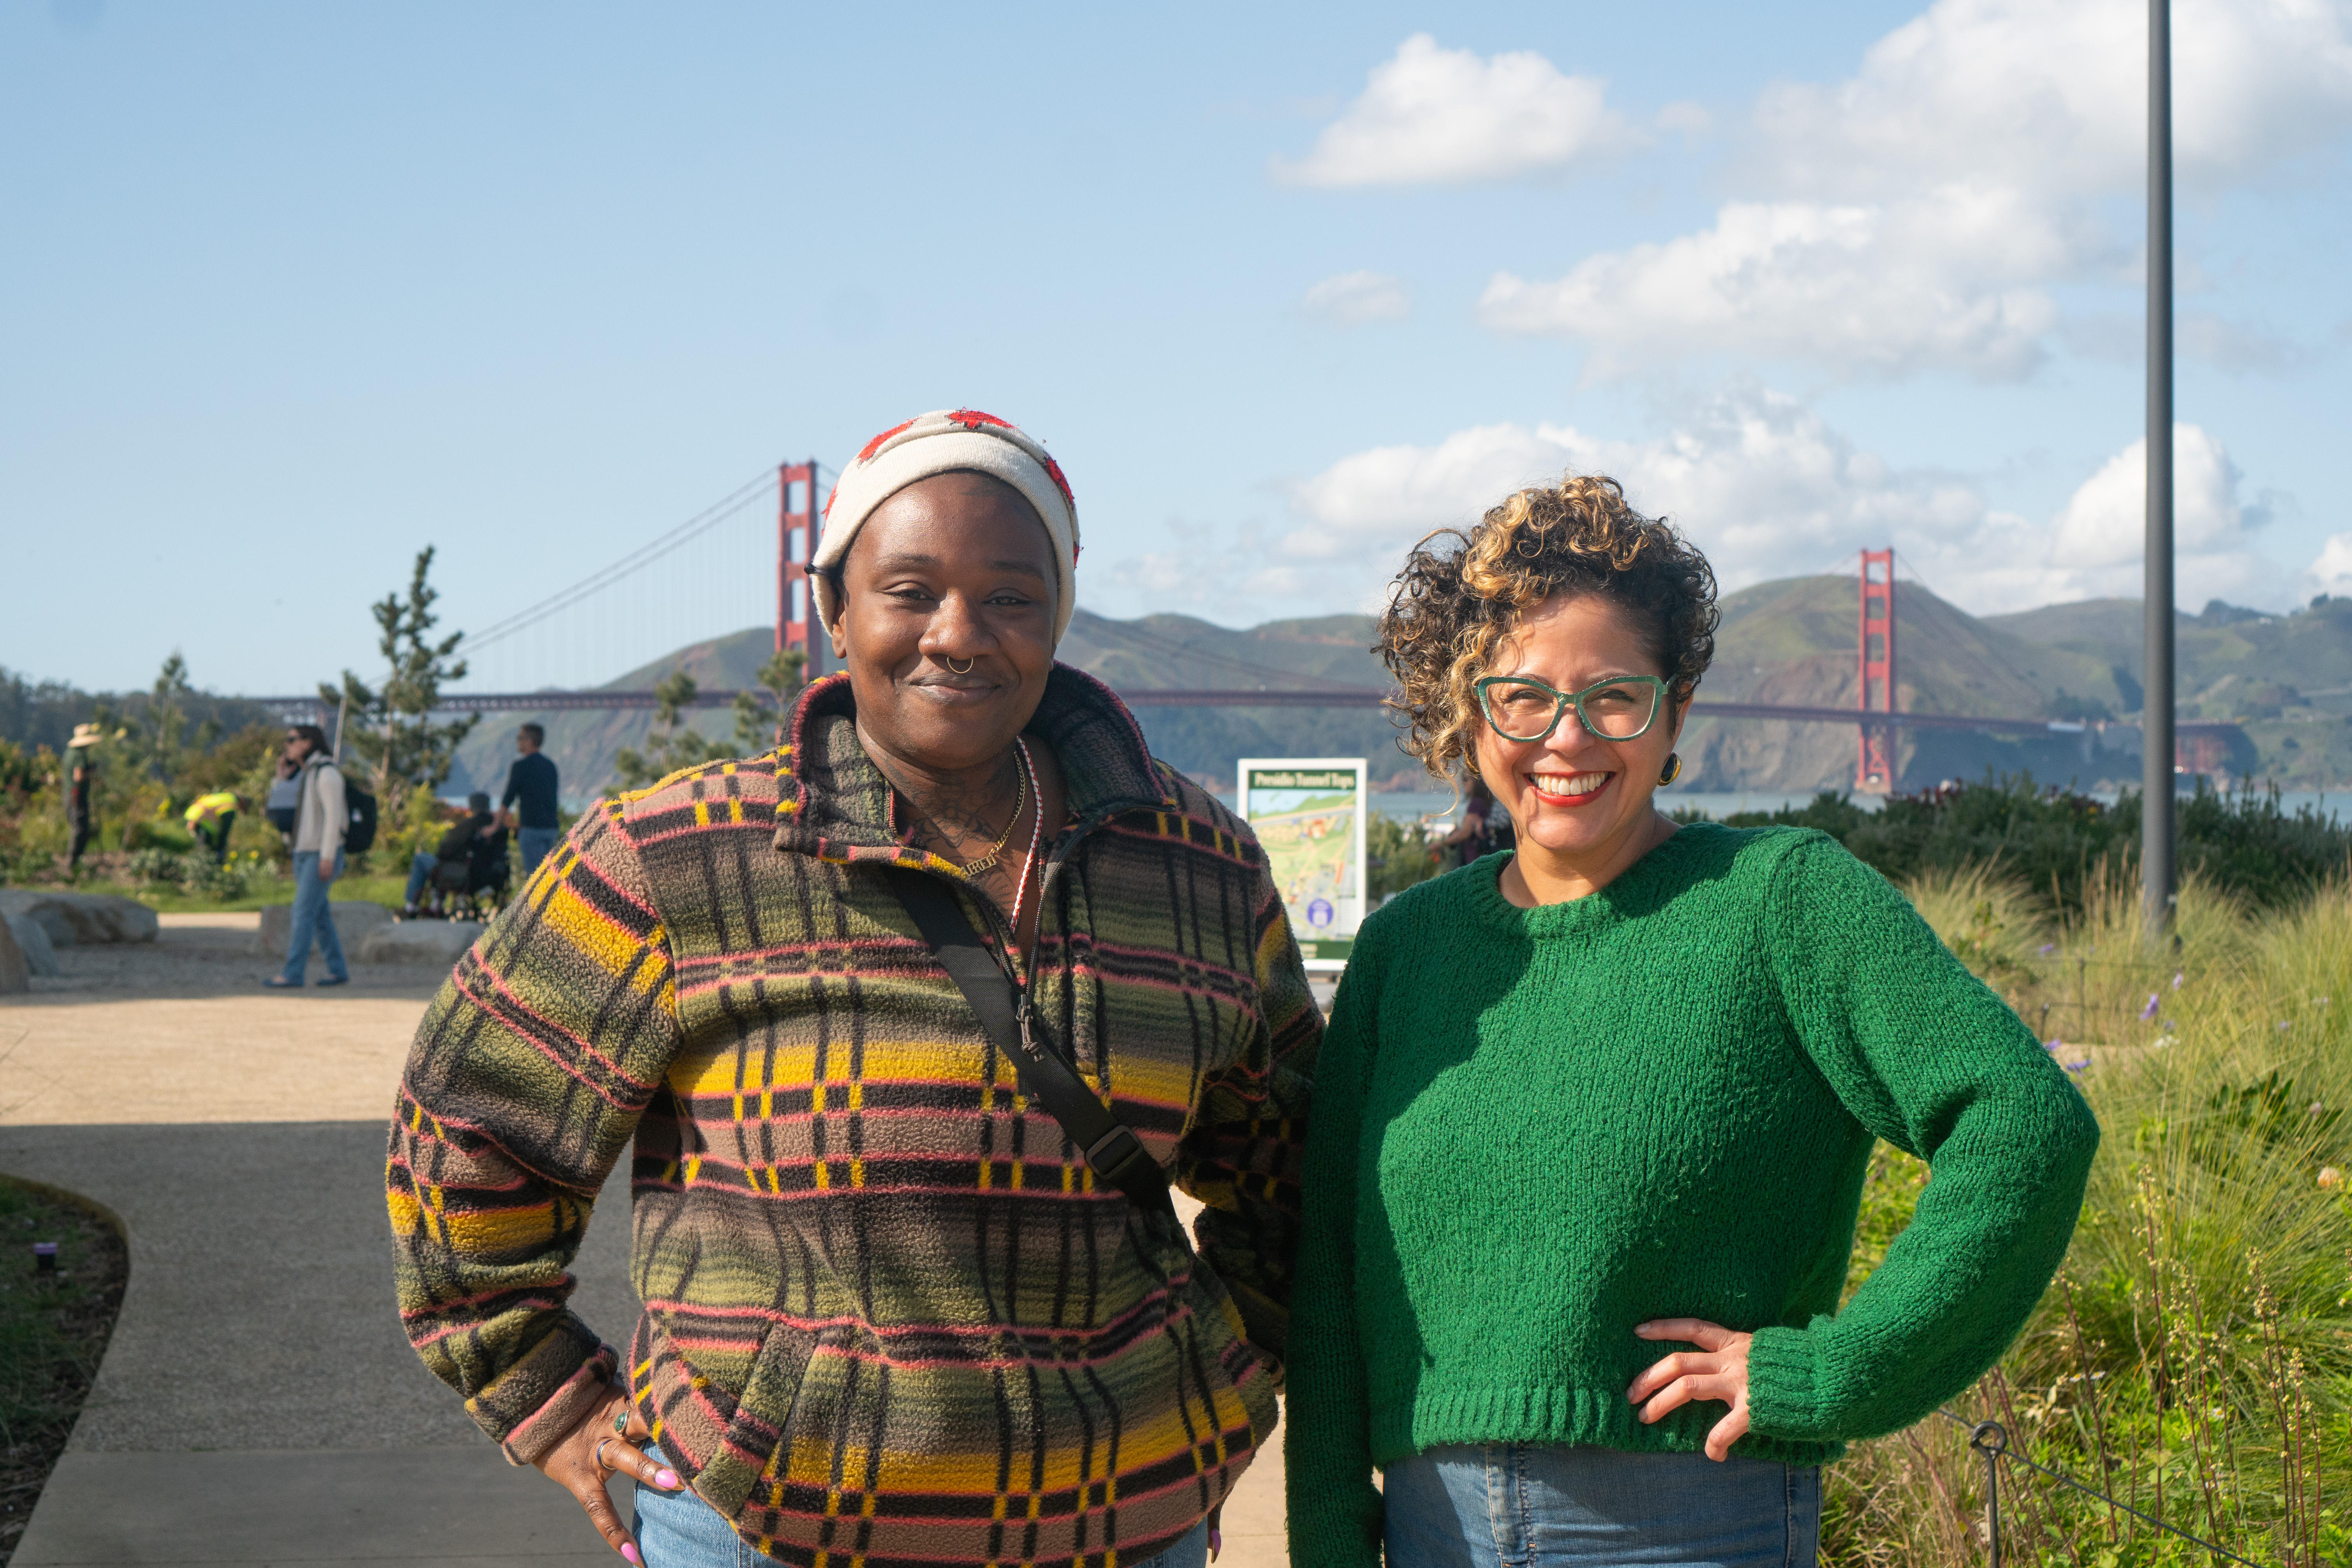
(1592, 1118)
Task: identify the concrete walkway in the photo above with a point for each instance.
(257, 1403)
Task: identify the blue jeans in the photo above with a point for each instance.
(312, 919)
(1529, 1505)
(536, 842)
(679, 1529)
(420, 871)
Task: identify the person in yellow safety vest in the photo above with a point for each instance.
(210, 816)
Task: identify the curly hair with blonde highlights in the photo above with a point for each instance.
(1461, 594)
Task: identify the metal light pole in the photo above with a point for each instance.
(2156, 853)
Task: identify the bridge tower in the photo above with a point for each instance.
(1874, 771)
(796, 616)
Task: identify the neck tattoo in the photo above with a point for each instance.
(955, 820)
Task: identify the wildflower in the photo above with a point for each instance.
(2048, 948)
(2282, 1025)
(2052, 1045)
(2076, 1067)
(2148, 1011)
(2177, 979)
(2330, 1177)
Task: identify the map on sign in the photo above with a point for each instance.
(1309, 814)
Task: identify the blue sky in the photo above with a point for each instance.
(292, 291)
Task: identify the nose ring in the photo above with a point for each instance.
(967, 666)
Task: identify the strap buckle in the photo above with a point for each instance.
(1110, 1154)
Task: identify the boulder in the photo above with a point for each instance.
(354, 922)
(33, 941)
(14, 975)
(81, 918)
(442, 942)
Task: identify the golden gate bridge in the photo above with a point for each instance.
(672, 590)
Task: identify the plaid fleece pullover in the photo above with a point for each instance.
(889, 1316)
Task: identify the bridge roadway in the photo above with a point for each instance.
(1262, 697)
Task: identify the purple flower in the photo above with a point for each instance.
(2076, 1067)
(2052, 1045)
(2148, 1011)
(2048, 948)
(2177, 979)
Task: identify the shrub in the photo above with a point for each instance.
(2241, 844)
(162, 867)
(1396, 856)
(2194, 1357)
(191, 873)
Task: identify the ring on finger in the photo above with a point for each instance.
(597, 1456)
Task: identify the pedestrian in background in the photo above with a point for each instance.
(210, 816)
(78, 779)
(1474, 837)
(319, 820)
(532, 781)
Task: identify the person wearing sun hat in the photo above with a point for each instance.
(893, 1312)
(80, 778)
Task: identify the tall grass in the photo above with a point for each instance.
(2194, 1358)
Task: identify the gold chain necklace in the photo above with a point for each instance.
(1020, 800)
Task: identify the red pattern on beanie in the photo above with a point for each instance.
(1054, 469)
(866, 453)
(972, 419)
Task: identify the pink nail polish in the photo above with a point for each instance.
(631, 1553)
(665, 1478)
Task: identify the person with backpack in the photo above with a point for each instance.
(910, 1023)
(321, 823)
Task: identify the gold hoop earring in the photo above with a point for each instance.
(1673, 768)
(966, 667)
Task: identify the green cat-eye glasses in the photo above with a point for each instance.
(1521, 708)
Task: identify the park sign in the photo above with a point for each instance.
(1308, 815)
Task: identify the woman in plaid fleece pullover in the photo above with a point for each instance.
(889, 1316)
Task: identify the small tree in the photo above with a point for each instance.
(143, 771)
(397, 736)
(759, 720)
(672, 745)
(167, 717)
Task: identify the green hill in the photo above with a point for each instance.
(582, 741)
(2287, 679)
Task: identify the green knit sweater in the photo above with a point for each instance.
(1535, 1129)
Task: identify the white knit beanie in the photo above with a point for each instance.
(937, 444)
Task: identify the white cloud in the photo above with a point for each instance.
(1912, 217)
(1351, 298)
(1682, 115)
(2095, 544)
(1941, 280)
(2331, 573)
(1437, 116)
(2053, 99)
(1769, 488)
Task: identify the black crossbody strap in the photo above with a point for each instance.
(1111, 1147)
